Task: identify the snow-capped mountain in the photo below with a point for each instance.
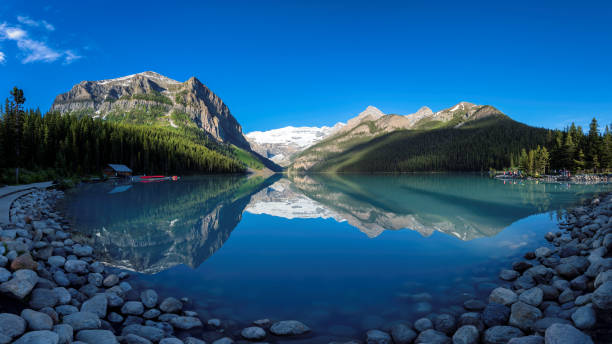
(279, 145)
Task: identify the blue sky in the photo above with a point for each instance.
(320, 62)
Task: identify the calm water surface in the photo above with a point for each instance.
(341, 253)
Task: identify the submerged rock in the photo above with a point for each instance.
(253, 333)
(565, 334)
(289, 328)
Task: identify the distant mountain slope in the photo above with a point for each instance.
(154, 100)
(465, 137)
(279, 145)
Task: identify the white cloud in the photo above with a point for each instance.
(70, 57)
(34, 50)
(2, 58)
(31, 22)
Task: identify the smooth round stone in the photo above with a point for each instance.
(132, 308)
(432, 337)
(37, 320)
(149, 332)
(41, 298)
(64, 332)
(224, 340)
(524, 316)
(56, 261)
(527, 340)
(508, 275)
(82, 321)
(171, 341)
(253, 333)
(474, 305)
(95, 279)
(96, 305)
(214, 322)
(66, 309)
(21, 284)
(185, 323)
(11, 325)
(466, 335)
(62, 295)
(96, 267)
(110, 280)
(134, 339)
(565, 334)
(378, 337)
(566, 296)
(423, 324)
(584, 317)
(171, 305)
(289, 328)
(445, 323)
(76, 266)
(544, 323)
(115, 318)
(533, 296)
(503, 296)
(521, 266)
(602, 296)
(543, 252)
(149, 298)
(38, 337)
(97, 336)
(151, 314)
(82, 250)
(402, 334)
(501, 334)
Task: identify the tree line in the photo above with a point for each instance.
(569, 149)
(72, 145)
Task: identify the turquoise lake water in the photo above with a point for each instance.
(343, 253)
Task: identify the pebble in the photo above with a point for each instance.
(503, 296)
(97, 336)
(149, 298)
(253, 333)
(289, 328)
(423, 324)
(467, 334)
(39, 337)
(37, 320)
(11, 325)
(170, 305)
(565, 334)
(432, 337)
(402, 334)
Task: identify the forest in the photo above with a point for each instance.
(58, 145)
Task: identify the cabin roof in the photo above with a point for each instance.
(120, 168)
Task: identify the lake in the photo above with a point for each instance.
(341, 253)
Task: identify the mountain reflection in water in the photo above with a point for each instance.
(152, 227)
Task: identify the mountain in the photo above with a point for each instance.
(279, 145)
(154, 100)
(465, 137)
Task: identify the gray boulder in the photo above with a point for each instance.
(76, 266)
(378, 337)
(584, 317)
(149, 298)
(565, 334)
(185, 323)
(533, 296)
(445, 323)
(21, 284)
(289, 328)
(11, 325)
(253, 333)
(467, 334)
(134, 339)
(501, 334)
(524, 316)
(527, 340)
(171, 305)
(132, 308)
(402, 334)
(83, 321)
(503, 296)
(432, 337)
(495, 315)
(423, 324)
(37, 320)
(96, 305)
(38, 337)
(64, 332)
(97, 337)
(151, 333)
(602, 296)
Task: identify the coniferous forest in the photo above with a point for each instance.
(64, 145)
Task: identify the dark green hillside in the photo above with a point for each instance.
(474, 146)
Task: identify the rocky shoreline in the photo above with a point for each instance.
(52, 290)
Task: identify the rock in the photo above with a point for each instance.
(402, 334)
(544, 323)
(110, 280)
(583, 299)
(62, 295)
(503, 296)
(115, 317)
(134, 339)
(224, 340)
(113, 299)
(149, 332)
(171, 305)
(525, 282)
(602, 296)
(445, 323)
(42, 298)
(61, 279)
(24, 261)
(83, 321)
(474, 305)
(567, 271)
(132, 308)
(566, 296)
(603, 277)
(151, 313)
(97, 337)
(66, 309)
(289, 328)
(64, 332)
(472, 318)
(56, 261)
(543, 252)
(432, 337)
(378, 337)
(214, 322)
(192, 340)
(96, 305)
(423, 324)
(565, 334)
(521, 266)
(466, 335)
(149, 298)
(76, 266)
(262, 322)
(11, 325)
(5, 275)
(95, 279)
(501, 334)
(540, 274)
(584, 317)
(21, 284)
(38, 337)
(533, 296)
(171, 341)
(524, 316)
(37, 320)
(508, 275)
(253, 333)
(82, 251)
(550, 236)
(549, 292)
(185, 323)
(527, 340)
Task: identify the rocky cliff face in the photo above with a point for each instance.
(163, 100)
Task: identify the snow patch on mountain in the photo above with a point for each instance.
(301, 137)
